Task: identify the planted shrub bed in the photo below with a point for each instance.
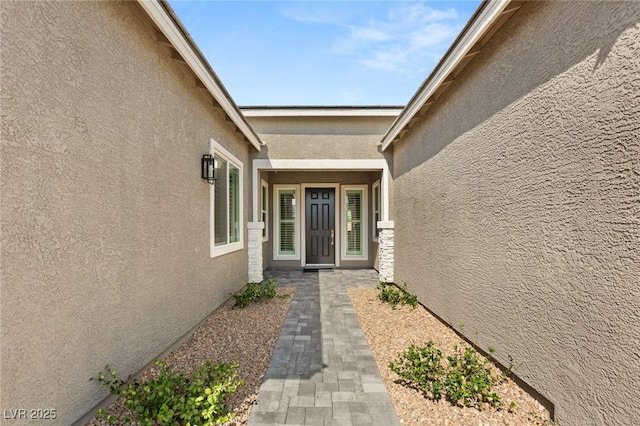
(236, 341)
(432, 375)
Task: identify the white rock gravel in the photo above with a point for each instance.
(391, 331)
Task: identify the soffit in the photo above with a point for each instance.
(485, 22)
(172, 34)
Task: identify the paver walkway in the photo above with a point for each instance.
(322, 371)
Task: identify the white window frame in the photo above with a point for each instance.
(218, 150)
(264, 209)
(364, 225)
(276, 222)
(375, 189)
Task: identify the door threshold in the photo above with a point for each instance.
(315, 267)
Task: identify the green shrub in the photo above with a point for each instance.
(469, 380)
(464, 378)
(421, 368)
(255, 291)
(174, 399)
(409, 299)
(395, 295)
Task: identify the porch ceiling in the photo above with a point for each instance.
(324, 165)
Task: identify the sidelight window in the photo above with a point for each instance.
(354, 220)
(287, 222)
(264, 209)
(376, 201)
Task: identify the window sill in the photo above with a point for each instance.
(225, 249)
(347, 257)
(285, 257)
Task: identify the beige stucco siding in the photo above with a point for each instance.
(320, 137)
(105, 220)
(517, 205)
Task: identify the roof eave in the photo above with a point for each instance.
(321, 111)
(466, 44)
(167, 22)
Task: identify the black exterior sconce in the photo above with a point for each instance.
(208, 168)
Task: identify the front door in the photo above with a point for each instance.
(320, 226)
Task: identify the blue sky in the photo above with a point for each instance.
(323, 52)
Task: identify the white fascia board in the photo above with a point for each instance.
(319, 112)
(320, 164)
(476, 31)
(165, 24)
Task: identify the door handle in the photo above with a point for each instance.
(332, 236)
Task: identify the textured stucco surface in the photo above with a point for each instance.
(517, 206)
(105, 220)
(320, 137)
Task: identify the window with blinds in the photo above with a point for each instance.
(221, 216)
(376, 208)
(286, 222)
(353, 221)
(234, 203)
(264, 206)
(226, 202)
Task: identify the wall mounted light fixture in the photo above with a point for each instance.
(208, 168)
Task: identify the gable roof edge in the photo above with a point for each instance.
(165, 20)
(480, 25)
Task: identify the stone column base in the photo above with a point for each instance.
(385, 259)
(255, 251)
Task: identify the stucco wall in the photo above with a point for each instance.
(105, 220)
(321, 137)
(517, 206)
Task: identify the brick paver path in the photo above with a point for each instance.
(322, 371)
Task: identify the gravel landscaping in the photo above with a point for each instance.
(391, 331)
(247, 336)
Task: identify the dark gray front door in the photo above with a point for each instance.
(320, 226)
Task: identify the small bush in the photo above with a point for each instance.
(464, 378)
(421, 368)
(395, 295)
(174, 399)
(469, 380)
(255, 291)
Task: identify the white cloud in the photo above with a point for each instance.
(405, 37)
(431, 35)
(313, 13)
(389, 59)
(369, 34)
